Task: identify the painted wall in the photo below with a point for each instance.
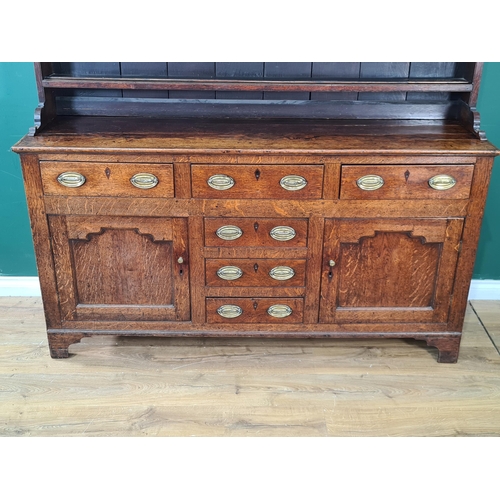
(18, 100)
(488, 253)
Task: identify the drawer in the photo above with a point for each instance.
(293, 182)
(255, 272)
(107, 179)
(247, 232)
(397, 182)
(254, 310)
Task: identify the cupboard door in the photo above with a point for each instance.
(388, 270)
(121, 268)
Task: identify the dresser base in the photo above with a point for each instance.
(447, 344)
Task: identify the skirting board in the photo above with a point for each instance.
(19, 286)
(29, 286)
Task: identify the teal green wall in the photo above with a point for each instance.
(488, 254)
(18, 99)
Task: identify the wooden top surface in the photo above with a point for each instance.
(115, 135)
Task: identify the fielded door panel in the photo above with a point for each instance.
(388, 270)
(121, 268)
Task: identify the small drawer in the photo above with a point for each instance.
(246, 232)
(291, 182)
(255, 272)
(398, 182)
(138, 180)
(255, 310)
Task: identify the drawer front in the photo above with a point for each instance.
(397, 182)
(138, 180)
(246, 232)
(254, 310)
(293, 182)
(255, 272)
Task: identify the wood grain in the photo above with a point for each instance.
(242, 387)
(255, 310)
(385, 270)
(41, 238)
(256, 232)
(255, 272)
(258, 182)
(123, 269)
(128, 261)
(107, 179)
(405, 182)
(304, 137)
(470, 238)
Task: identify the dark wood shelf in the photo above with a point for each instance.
(90, 134)
(441, 85)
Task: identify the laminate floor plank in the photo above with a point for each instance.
(116, 386)
(489, 312)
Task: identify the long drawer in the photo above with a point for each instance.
(258, 232)
(396, 182)
(138, 180)
(255, 272)
(255, 310)
(257, 181)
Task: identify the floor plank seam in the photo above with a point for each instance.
(484, 328)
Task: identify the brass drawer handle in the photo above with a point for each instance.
(442, 182)
(71, 179)
(229, 311)
(293, 182)
(279, 311)
(144, 180)
(281, 273)
(229, 273)
(370, 182)
(229, 233)
(221, 182)
(282, 233)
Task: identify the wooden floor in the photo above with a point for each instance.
(214, 387)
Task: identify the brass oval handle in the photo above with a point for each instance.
(229, 233)
(221, 182)
(279, 311)
(144, 180)
(293, 182)
(442, 182)
(282, 233)
(229, 273)
(370, 182)
(229, 311)
(281, 273)
(71, 179)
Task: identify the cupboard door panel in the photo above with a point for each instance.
(121, 268)
(140, 276)
(388, 270)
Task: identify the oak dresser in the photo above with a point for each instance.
(291, 200)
